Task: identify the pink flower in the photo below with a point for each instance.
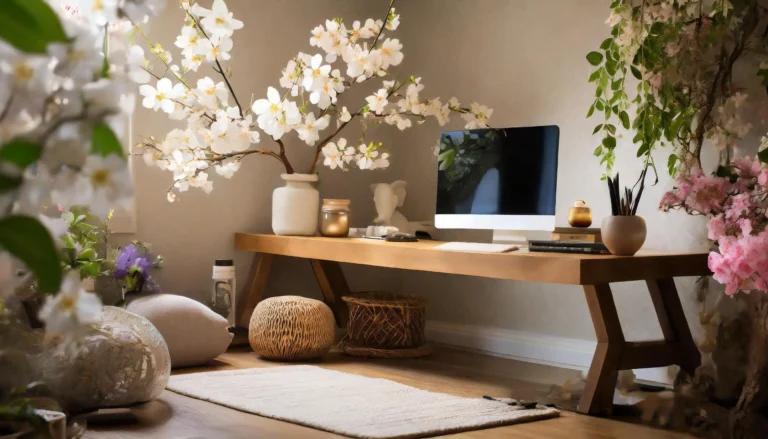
(748, 167)
(739, 205)
(736, 223)
(655, 79)
(670, 200)
(672, 49)
(746, 226)
(722, 273)
(716, 228)
(708, 194)
(762, 179)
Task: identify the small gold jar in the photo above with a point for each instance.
(334, 218)
(580, 215)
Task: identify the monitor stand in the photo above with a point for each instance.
(518, 237)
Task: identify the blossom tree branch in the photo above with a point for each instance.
(325, 141)
(383, 25)
(220, 70)
(284, 158)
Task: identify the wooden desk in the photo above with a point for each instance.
(593, 272)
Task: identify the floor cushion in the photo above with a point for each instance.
(291, 328)
(194, 333)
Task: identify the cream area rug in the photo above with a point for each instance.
(347, 404)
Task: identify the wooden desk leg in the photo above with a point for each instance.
(673, 323)
(334, 286)
(597, 398)
(257, 281)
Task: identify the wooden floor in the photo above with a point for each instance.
(173, 416)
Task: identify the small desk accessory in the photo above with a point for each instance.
(580, 215)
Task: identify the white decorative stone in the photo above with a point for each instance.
(121, 361)
(296, 206)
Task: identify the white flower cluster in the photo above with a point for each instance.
(63, 109)
(219, 135)
(57, 100)
(731, 126)
(215, 130)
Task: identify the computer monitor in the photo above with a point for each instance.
(500, 179)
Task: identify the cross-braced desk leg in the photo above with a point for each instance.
(329, 277)
(597, 398)
(334, 286)
(257, 282)
(613, 353)
(674, 326)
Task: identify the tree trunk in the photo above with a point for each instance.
(749, 419)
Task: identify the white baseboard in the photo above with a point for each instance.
(562, 352)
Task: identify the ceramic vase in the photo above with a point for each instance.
(623, 235)
(296, 206)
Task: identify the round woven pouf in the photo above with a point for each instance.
(291, 328)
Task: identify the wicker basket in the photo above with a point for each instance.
(386, 321)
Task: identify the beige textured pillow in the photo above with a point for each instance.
(193, 332)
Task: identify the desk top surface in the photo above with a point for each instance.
(522, 265)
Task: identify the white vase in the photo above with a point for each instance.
(296, 206)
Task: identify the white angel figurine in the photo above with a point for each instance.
(388, 197)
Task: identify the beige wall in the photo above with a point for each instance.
(524, 58)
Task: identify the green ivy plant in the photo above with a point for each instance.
(84, 243)
(666, 75)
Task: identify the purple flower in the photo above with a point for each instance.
(125, 261)
(133, 269)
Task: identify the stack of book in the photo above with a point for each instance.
(567, 234)
(585, 247)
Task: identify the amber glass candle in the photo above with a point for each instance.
(334, 218)
(580, 215)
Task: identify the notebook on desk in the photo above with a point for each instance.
(583, 247)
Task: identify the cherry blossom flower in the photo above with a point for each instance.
(333, 40)
(227, 137)
(100, 11)
(391, 54)
(71, 308)
(219, 21)
(378, 101)
(135, 64)
(211, 93)
(317, 35)
(309, 130)
(276, 116)
(188, 41)
(219, 50)
(334, 154)
(160, 98)
(109, 180)
(290, 78)
(228, 170)
(316, 74)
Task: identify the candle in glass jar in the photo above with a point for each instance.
(334, 218)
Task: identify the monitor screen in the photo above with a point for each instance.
(510, 171)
